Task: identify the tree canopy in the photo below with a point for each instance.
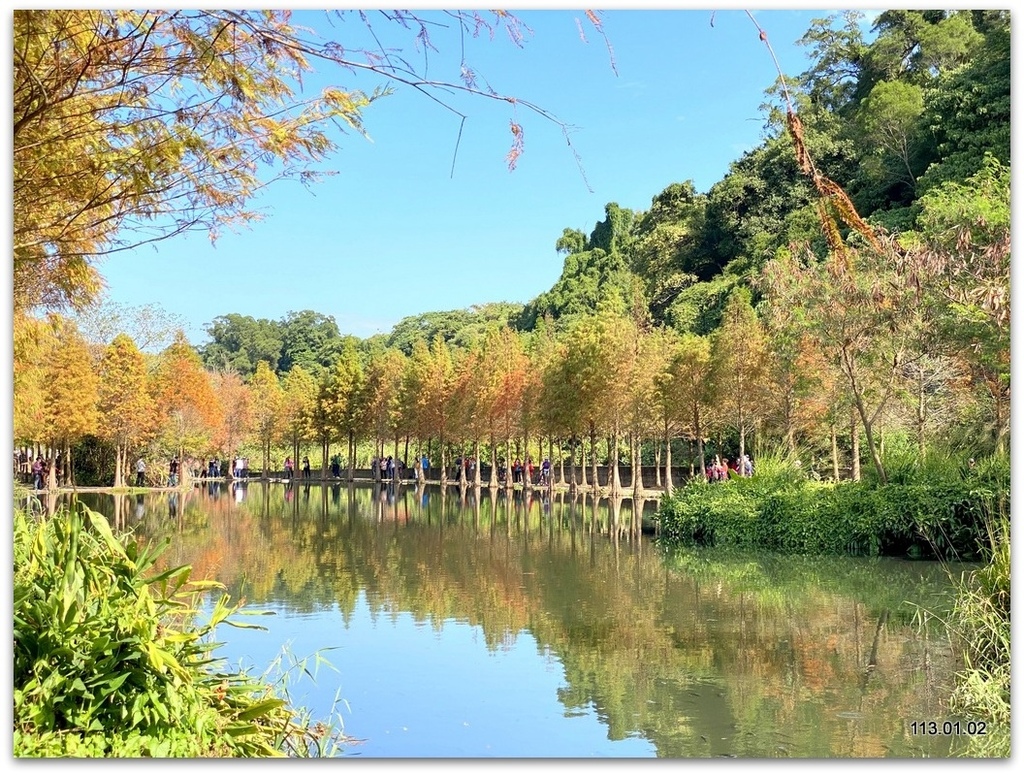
(848, 276)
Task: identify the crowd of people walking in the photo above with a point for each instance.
(722, 467)
(37, 469)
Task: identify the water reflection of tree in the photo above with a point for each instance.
(701, 653)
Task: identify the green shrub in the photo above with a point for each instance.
(109, 663)
(781, 509)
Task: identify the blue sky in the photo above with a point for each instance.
(398, 233)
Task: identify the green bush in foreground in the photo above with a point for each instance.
(108, 663)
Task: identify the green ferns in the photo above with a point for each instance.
(108, 662)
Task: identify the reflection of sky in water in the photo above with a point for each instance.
(406, 690)
(701, 654)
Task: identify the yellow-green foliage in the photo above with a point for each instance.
(980, 628)
(108, 661)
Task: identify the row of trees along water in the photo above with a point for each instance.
(780, 309)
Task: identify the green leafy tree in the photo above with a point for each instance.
(300, 392)
(241, 342)
(914, 46)
(890, 122)
(692, 374)
(347, 391)
(961, 254)
(663, 245)
(646, 356)
(968, 109)
(571, 241)
(388, 409)
(586, 278)
(837, 49)
(310, 340)
(267, 409)
(668, 397)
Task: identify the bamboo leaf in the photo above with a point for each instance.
(260, 709)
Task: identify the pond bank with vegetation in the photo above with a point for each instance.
(944, 511)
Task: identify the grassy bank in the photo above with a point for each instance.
(940, 512)
(110, 662)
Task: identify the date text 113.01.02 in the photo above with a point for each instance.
(948, 728)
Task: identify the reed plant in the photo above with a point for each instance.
(111, 660)
(979, 628)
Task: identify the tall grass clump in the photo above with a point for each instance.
(979, 628)
(110, 662)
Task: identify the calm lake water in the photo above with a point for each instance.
(483, 625)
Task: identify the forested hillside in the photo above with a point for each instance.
(841, 292)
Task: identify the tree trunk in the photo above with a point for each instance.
(476, 462)
(870, 439)
(854, 446)
(835, 452)
(743, 442)
(920, 415)
(51, 471)
(593, 457)
(119, 459)
(583, 465)
(493, 481)
(638, 473)
(632, 461)
(572, 465)
(657, 465)
(668, 460)
(700, 438)
(613, 455)
(508, 462)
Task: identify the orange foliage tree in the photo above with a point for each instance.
(235, 399)
(125, 404)
(190, 413)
